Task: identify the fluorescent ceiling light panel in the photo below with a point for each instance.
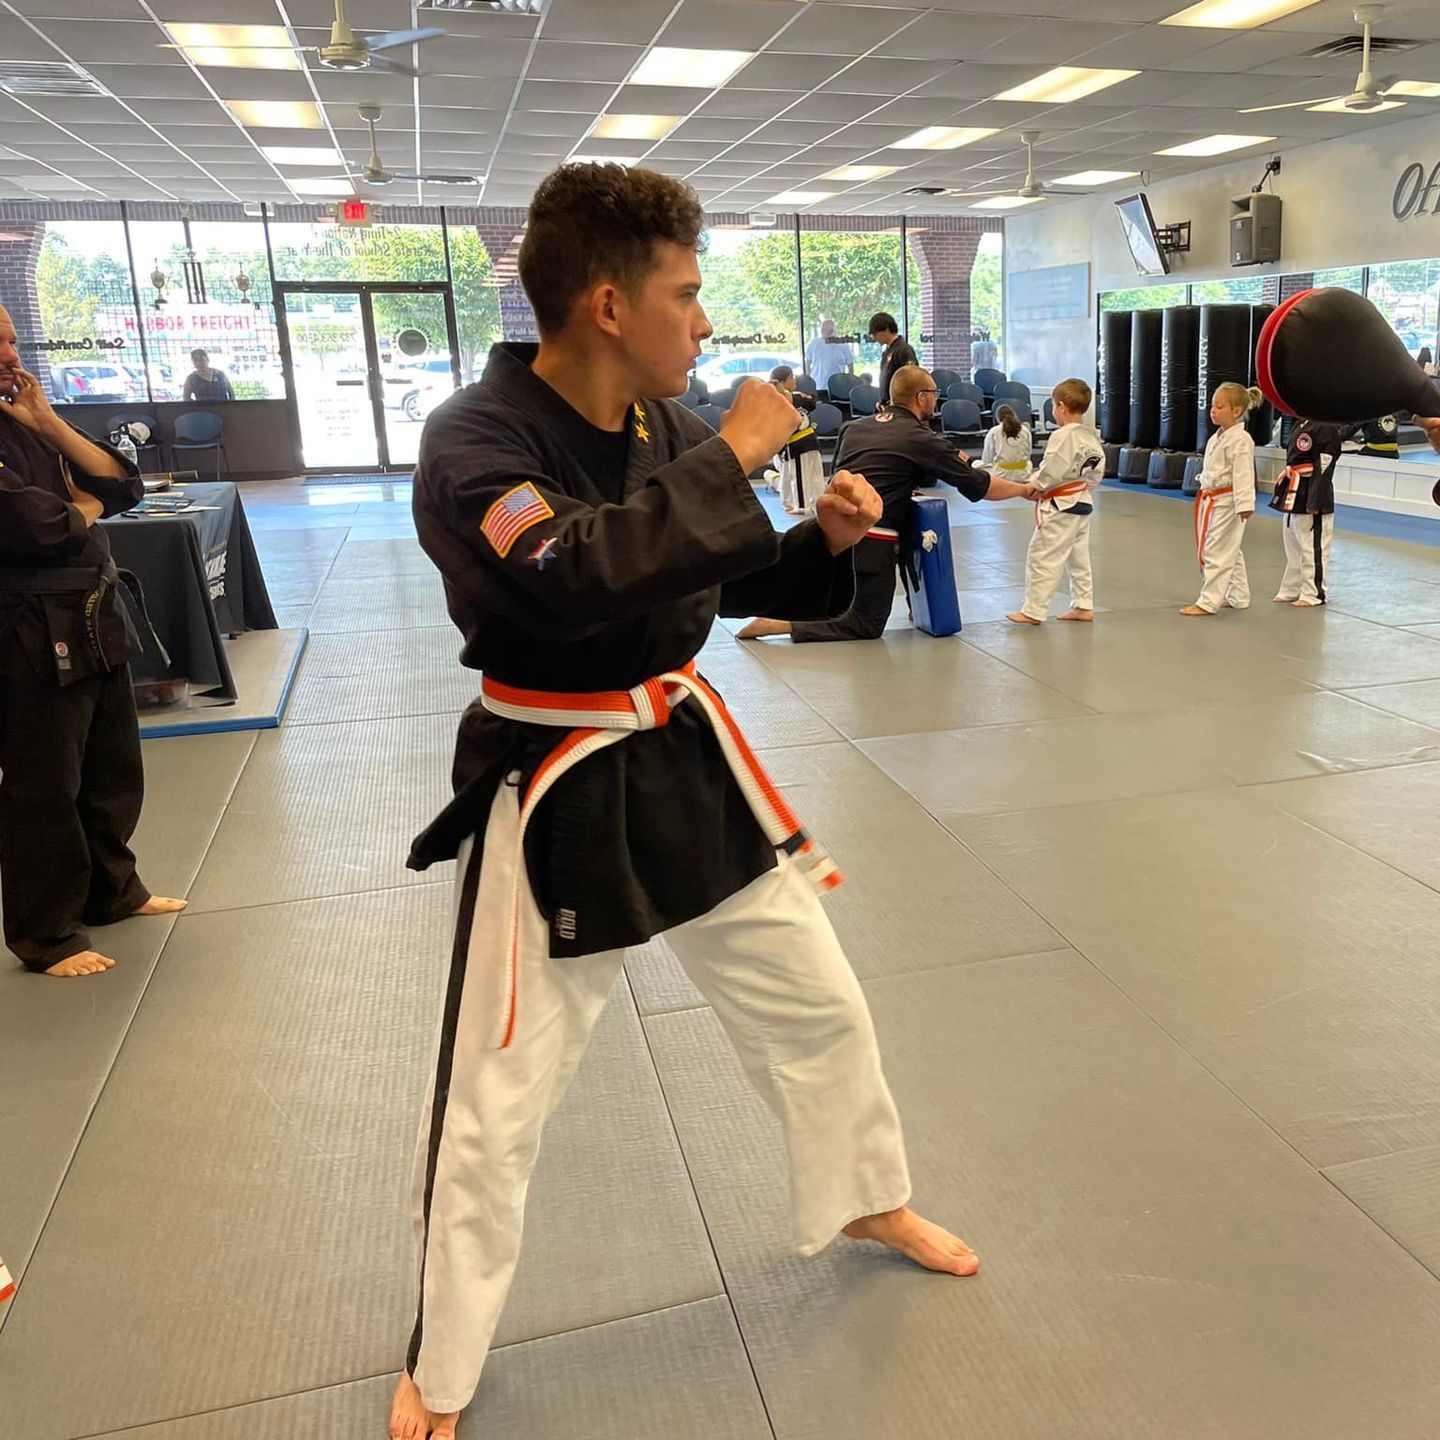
(1066, 83)
(276, 114)
(321, 187)
(1422, 89)
(860, 172)
(1216, 145)
(698, 69)
(1236, 14)
(1096, 177)
(1339, 107)
(302, 154)
(250, 47)
(1006, 202)
(799, 197)
(941, 137)
(635, 127)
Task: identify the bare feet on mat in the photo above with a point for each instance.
(759, 629)
(87, 962)
(1307, 604)
(410, 1420)
(1019, 618)
(1194, 610)
(917, 1239)
(1085, 615)
(1284, 600)
(160, 905)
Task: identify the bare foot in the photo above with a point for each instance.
(1285, 600)
(758, 629)
(87, 962)
(410, 1420)
(919, 1240)
(1306, 604)
(1194, 610)
(1019, 618)
(1086, 615)
(159, 905)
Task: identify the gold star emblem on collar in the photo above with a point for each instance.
(641, 433)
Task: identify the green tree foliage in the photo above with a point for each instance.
(72, 289)
(986, 285)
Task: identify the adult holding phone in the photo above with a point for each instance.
(71, 779)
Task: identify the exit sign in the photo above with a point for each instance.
(353, 212)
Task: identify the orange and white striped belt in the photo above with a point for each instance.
(7, 1285)
(597, 719)
(1204, 512)
(1072, 487)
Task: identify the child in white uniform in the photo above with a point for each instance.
(1007, 447)
(1064, 485)
(1225, 502)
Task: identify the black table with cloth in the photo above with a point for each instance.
(202, 581)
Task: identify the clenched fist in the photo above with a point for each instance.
(847, 511)
(758, 423)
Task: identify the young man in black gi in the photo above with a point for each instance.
(588, 535)
(71, 780)
(898, 353)
(897, 452)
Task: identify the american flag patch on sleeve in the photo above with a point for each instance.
(511, 515)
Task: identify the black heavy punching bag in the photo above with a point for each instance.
(1145, 334)
(1224, 355)
(1113, 373)
(1179, 362)
(1260, 422)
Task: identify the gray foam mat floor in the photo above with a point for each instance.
(1147, 915)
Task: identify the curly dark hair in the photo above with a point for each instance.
(590, 223)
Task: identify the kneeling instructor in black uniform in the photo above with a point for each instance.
(897, 452)
(71, 780)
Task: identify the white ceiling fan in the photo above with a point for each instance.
(1030, 188)
(377, 173)
(1370, 94)
(349, 51)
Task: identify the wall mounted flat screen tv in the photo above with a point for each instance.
(1141, 236)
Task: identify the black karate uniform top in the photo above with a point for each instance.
(637, 543)
(1313, 443)
(42, 531)
(897, 353)
(897, 452)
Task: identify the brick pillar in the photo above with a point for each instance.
(20, 243)
(946, 259)
(501, 240)
(1293, 285)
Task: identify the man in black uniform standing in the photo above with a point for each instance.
(897, 452)
(884, 331)
(588, 534)
(71, 780)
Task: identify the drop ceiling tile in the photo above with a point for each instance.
(948, 37)
(793, 73)
(706, 128)
(976, 82)
(1240, 52)
(151, 81)
(792, 132)
(258, 84)
(338, 89)
(1149, 46)
(559, 60)
(566, 95)
(735, 25)
(540, 124)
(633, 22)
(459, 121)
(162, 112)
(111, 42)
(504, 59)
(848, 30)
(735, 103)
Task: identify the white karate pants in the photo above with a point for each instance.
(1307, 557)
(1063, 540)
(1224, 562)
(802, 481)
(769, 964)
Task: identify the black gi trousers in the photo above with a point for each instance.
(71, 787)
(866, 619)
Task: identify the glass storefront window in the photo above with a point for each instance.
(225, 309)
(1345, 277)
(1405, 292)
(987, 284)
(70, 310)
(1150, 297)
(1249, 290)
(318, 250)
(848, 276)
(750, 293)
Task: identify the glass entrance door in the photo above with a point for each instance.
(367, 365)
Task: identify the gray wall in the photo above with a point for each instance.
(259, 444)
